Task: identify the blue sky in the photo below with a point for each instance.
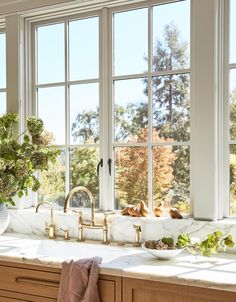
(130, 48)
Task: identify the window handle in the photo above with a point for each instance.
(109, 164)
(98, 165)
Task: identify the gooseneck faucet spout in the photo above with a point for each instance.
(91, 199)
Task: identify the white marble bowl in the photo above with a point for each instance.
(162, 254)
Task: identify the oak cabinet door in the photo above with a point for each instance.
(135, 290)
(31, 283)
(109, 288)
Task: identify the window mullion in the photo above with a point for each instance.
(104, 180)
(150, 111)
(67, 109)
(226, 110)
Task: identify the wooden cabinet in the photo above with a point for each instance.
(31, 283)
(135, 290)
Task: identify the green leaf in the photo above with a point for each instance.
(183, 240)
(228, 241)
(26, 139)
(20, 194)
(169, 241)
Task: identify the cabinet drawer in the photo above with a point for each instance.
(29, 281)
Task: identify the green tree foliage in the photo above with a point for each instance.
(170, 122)
(85, 128)
(83, 170)
(171, 107)
(53, 182)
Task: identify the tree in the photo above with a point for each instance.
(171, 106)
(83, 170)
(132, 174)
(85, 128)
(170, 122)
(53, 183)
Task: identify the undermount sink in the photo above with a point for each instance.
(75, 250)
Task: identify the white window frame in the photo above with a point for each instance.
(3, 31)
(227, 66)
(207, 182)
(148, 75)
(67, 83)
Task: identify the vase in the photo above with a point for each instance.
(4, 218)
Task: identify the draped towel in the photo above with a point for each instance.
(79, 280)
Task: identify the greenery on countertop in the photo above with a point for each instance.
(19, 160)
(208, 246)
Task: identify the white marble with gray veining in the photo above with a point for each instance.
(215, 272)
(120, 227)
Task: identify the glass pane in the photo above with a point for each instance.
(171, 177)
(51, 53)
(2, 60)
(232, 180)
(171, 112)
(83, 172)
(130, 42)
(2, 103)
(131, 176)
(232, 31)
(53, 182)
(233, 103)
(84, 49)
(84, 113)
(171, 36)
(131, 110)
(51, 109)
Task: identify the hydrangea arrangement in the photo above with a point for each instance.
(20, 159)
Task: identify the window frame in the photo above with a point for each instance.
(208, 184)
(66, 84)
(4, 89)
(227, 67)
(148, 75)
(106, 83)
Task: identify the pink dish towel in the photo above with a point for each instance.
(79, 281)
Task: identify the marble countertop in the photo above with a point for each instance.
(218, 271)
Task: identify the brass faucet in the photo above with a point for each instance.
(51, 228)
(90, 195)
(92, 224)
(138, 230)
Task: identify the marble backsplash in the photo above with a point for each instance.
(120, 227)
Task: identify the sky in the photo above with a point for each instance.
(130, 48)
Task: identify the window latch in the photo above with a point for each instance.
(98, 165)
(109, 164)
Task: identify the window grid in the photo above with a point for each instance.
(66, 84)
(150, 74)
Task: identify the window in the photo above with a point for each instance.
(232, 107)
(2, 73)
(151, 105)
(142, 127)
(67, 99)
